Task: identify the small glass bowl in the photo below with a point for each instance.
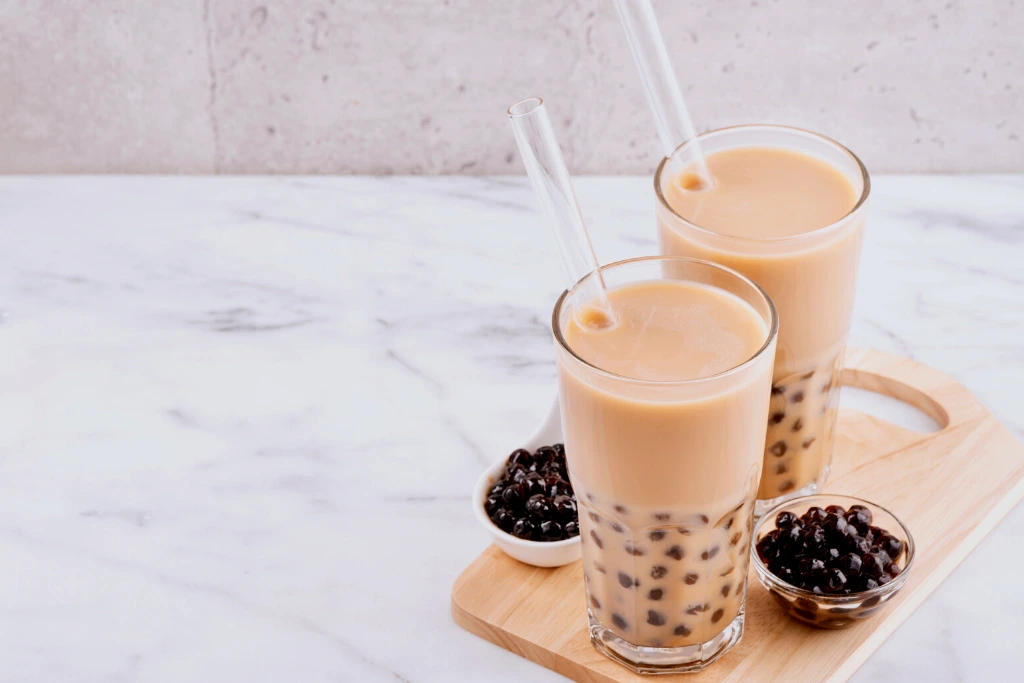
(832, 611)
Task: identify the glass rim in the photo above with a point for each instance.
(773, 326)
(831, 227)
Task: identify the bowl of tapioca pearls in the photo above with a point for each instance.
(830, 560)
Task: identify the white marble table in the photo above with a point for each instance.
(242, 416)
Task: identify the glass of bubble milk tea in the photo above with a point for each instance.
(786, 207)
(663, 415)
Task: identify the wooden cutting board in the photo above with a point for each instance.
(950, 488)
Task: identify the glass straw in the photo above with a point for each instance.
(659, 80)
(546, 169)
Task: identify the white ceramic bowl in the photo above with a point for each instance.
(537, 553)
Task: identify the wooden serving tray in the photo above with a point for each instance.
(950, 488)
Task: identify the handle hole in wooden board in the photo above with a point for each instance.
(890, 409)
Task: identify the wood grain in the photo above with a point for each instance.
(950, 488)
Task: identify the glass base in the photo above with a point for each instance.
(762, 506)
(665, 660)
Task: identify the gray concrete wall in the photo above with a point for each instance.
(420, 86)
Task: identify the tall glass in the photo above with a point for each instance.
(666, 474)
(811, 278)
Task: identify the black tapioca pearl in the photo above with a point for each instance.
(690, 579)
(621, 509)
(655, 618)
(683, 530)
(709, 553)
(594, 517)
(727, 571)
(600, 568)
(776, 418)
(625, 580)
(797, 397)
(616, 527)
(697, 609)
(787, 485)
(655, 594)
(807, 444)
(717, 616)
(597, 539)
(658, 572)
(781, 468)
(798, 425)
(681, 630)
(725, 590)
(778, 449)
(656, 535)
(778, 391)
(736, 538)
(620, 623)
(595, 603)
(675, 552)
(633, 550)
(703, 519)
(728, 524)
(662, 516)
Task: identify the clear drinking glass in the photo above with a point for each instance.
(665, 474)
(811, 278)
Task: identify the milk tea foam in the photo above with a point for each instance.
(665, 478)
(759, 218)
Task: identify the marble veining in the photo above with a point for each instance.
(243, 416)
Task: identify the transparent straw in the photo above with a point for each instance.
(546, 169)
(659, 80)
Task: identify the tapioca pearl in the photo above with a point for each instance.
(681, 630)
(728, 571)
(597, 539)
(776, 417)
(807, 443)
(717, 616)
(655, 618)
(594, 602)
(656, 535)
(725, 590)
(619, 622)
(634, 550)
(600, 568)
(703, 519)
(616, 527)
(709, 553)
(621, 509)
(798, 425)
(778, 449)
(694, 610)
(690, 579)
(658, 572)
(728, 523)
(627, 581)
(594, 517)
(778, 391)
(797, 397)
(662, 516)
(675, 552)
(787, 486)
(683, 530)
(782, 468)
(590, 496)
(656, 594)
(736, 538)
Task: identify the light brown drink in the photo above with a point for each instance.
(787, 209)
(662, 417)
